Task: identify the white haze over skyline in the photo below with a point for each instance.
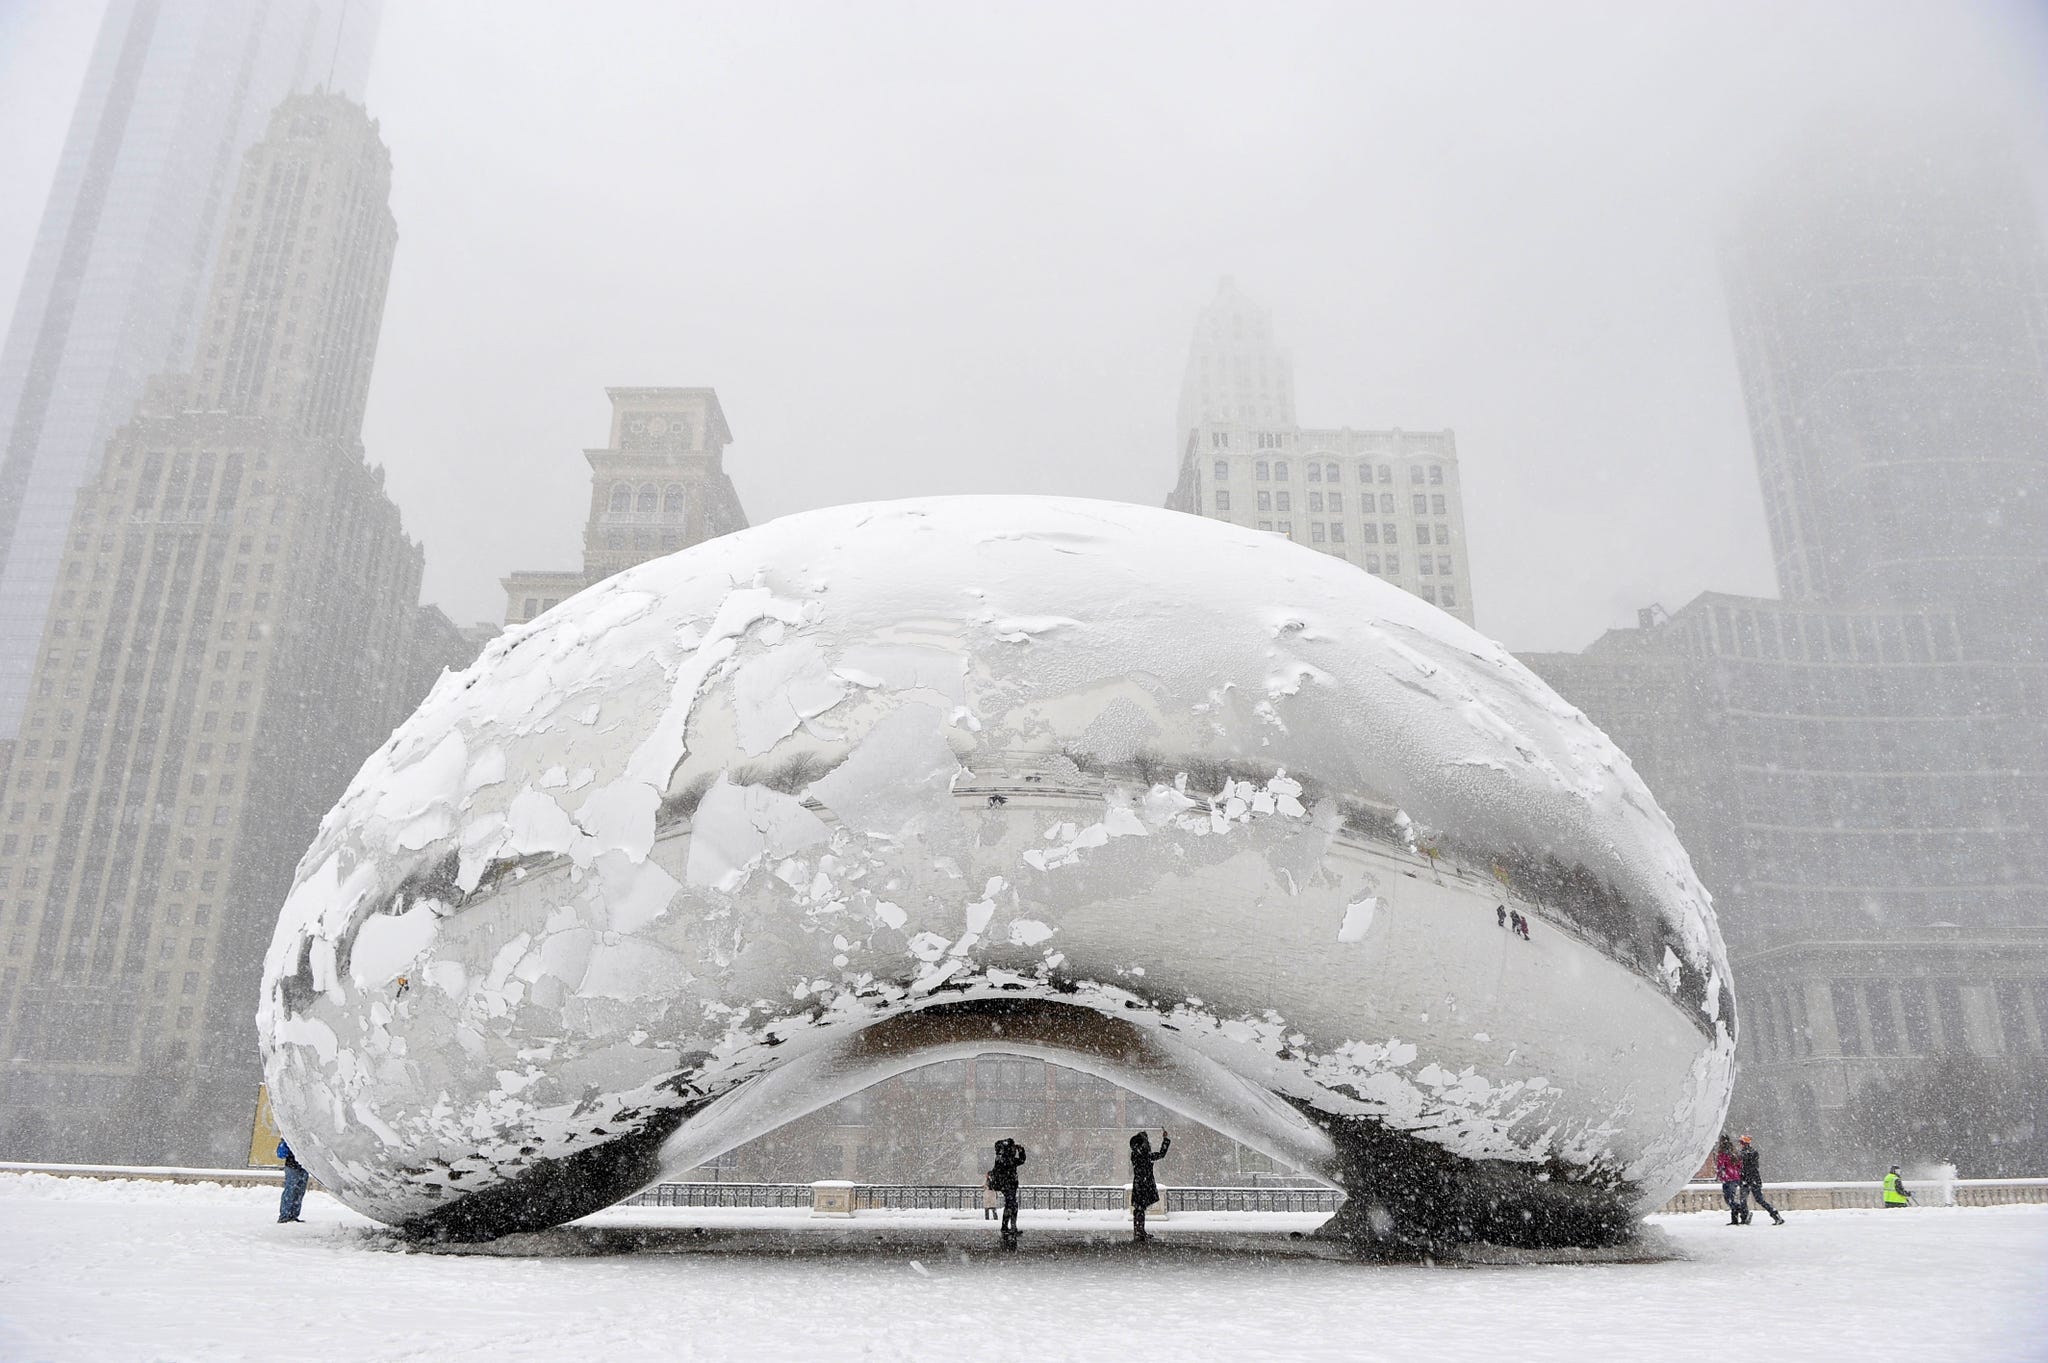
(922, 249)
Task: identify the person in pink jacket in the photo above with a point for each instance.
(1728, 1168)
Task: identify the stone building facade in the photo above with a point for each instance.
(1389, 501)
(236, 628)
(1860, 769)
(658, 487)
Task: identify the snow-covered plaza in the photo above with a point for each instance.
(110, 1271)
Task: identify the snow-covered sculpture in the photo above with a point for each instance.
(1230, 822)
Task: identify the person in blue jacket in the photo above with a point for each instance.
(295, 1180)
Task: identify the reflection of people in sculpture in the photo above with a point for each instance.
(1010, 1156)
(1144, 1187)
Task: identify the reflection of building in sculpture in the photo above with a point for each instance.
(1388, 501)
(236, 628)
(658, 487)
(938, 1124)
(1860, 770)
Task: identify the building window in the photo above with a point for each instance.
(1390, 534)
(532, 607)
(1421, 504)
(1262, 471)
(615, 540)
(1913, 1008)
(1948, 1003)
(1280, 502)
(1436, 473)
(1415, 473)
(672, 500)
(1369, 533)
(1265, 525)
(1337, 532)
(650, 499)
(1386, 473)
(1222, 470)
(1285, 527)
(1279, 470)
(1336, 503)
(1424, 565)
(1315, 501)
(1265, 500)
(1443, 534)
(1443, 564)
(1422, 534)
(1330, 472)
(1848, 1027)
(2012, 1017)
(1386, 504)
(1447, 595)
(1427, 593)
(1393, 565)
(1372, 563)
(1877, 1001)
(1315, 532)
(1315, 472)
(1222, 500)
(1436, 504)
(1365, 473)
(622, 498)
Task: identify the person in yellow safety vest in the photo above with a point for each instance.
(1895, 1193)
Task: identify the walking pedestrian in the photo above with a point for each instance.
(1010, 1157)
(1500, 914)
(1728, 1168)
(1895, 1191)
(1753, 1182)
(1522, 926)
(1144, 1186)
(295, 1180)
(990, 1198)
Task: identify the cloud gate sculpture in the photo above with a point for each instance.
(1224, 820)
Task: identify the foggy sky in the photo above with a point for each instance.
(941, 248)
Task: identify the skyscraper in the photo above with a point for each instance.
(235, 629)
(175, 91)
(1860, 769)
(1386, 500)
(1890, 315)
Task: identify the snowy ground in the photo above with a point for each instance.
(122, 1270)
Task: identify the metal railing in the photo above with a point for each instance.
(1041, 1197)
(722, 1195)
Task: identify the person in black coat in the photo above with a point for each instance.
(1010, 1157)
(1753, 1182)
(1144, 1186)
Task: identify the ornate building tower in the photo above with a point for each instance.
(658, 487)
(1390, 501)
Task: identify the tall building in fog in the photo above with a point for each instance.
(176, 90)
(234, 630)
(1386, 500)
(1890, 315)
(659, 486)
(1860, 769)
